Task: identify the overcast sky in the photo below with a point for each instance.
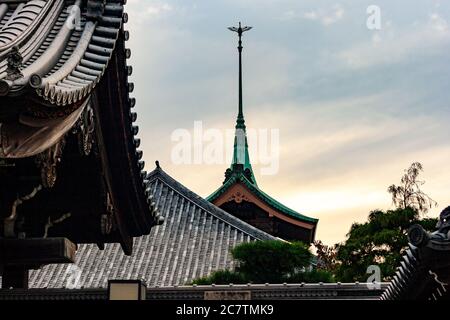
(354, 106)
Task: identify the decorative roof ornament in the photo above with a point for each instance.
(14, 60)
(444, 221)
(86, 132)
(48, 162)
(95, 9)
(240, 30)
(240, 149)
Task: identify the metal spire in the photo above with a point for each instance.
(240, 152)
(240, 30)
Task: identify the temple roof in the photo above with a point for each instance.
(194, 241)
(239, 176)
(424, 270)
(241, 170)
(62, 51)
(66, 123)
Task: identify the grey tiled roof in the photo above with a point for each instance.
(195, 239)
(424, 271)
(77, 56)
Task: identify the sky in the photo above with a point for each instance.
(353, 105)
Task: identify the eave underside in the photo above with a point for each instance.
(99, 193)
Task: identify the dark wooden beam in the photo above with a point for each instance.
(36, 251)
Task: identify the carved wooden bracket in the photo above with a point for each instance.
(238, 197)
(48, 161)
(86, 132)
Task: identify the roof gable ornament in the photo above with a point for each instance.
(241, 159)
(240, 30)
(237, 171)
(14, 60)
(95, 9)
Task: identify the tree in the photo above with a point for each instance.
(312, 276)
(271, 261)
(326, 256)
(408, 193)
(380, 241)
(222, 277)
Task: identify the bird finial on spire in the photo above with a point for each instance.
(241, 158)
(240, 30)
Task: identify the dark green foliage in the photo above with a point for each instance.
(270, 261)
(267, 262)
(221, 277)
(313, 276)
(227, 277)
(381, 241)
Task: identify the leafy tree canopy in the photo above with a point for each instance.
(380, 241)
(272, 261)
(222, 277)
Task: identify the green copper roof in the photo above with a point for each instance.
(240, 149)
(239, 176)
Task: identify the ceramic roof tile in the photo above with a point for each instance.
(195, 240)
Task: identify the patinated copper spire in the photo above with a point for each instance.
(240, 150)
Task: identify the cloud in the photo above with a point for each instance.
(312, 15)
(157, 9)
(438, 23)
(329, 169)
(390, 46)
(347, 131)
(326, 17)
(144, 11)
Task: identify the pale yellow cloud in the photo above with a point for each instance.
(336, 194)
(337, 156)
